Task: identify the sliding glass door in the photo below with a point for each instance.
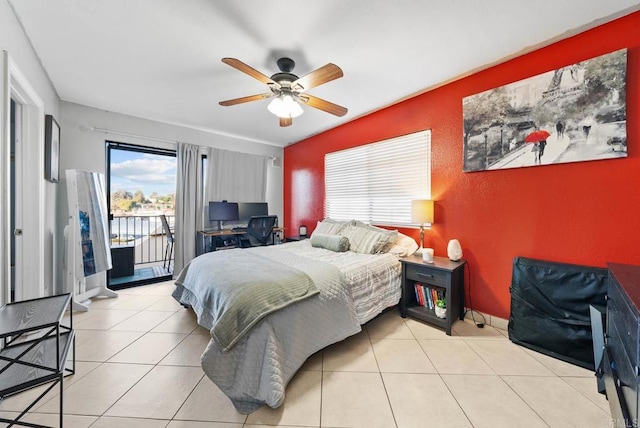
(141, 182)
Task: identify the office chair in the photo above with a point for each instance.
(259, 230)
(168, 251)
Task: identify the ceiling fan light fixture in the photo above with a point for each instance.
(285, 106)
(288, 91)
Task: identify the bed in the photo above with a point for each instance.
(253, 364)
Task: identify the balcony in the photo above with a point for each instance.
(139, 250)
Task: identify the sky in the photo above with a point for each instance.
(131, 171)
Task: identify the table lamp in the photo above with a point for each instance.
(421, 213)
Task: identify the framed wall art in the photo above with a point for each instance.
(51, 149)
(571, 114)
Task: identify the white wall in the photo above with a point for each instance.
(15, 42)
(81, 148)
(86, 150)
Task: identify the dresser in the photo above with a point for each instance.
(621, 361)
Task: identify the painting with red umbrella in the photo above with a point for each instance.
(539, 140)
(571, 114)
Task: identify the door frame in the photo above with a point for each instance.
(30, 134)
(111, 145)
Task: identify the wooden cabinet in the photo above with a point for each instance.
(34, 348)
(445, 277)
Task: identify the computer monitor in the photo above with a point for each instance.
(246, 210)
(223, 211)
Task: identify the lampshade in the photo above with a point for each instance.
(285, 106)
(422, 211)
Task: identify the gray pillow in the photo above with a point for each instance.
(330, 227)
(365, 240)
(335, 243)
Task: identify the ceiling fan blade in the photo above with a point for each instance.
(317, 77)
(323, 105)
(286, 121)
(245, 99)
(239, 65)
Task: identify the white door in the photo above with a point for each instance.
(22, 223)
(16, 203)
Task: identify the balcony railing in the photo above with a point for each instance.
(144, 233)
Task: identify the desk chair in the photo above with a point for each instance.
(168, 251)
(259, 230)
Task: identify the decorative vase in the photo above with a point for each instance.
(441, 312)
(454, 250)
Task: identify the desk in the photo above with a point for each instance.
(206, 241)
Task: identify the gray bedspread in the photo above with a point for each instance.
(237, 289)
(256, 370)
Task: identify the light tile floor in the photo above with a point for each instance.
(138, 365)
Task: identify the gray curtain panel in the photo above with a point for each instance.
(188, 204)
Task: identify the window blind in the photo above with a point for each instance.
(376, 183)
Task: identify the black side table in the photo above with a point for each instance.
(34, 348)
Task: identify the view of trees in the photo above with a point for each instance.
(485, 109)
(124, 201)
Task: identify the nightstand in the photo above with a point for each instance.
(423, 282)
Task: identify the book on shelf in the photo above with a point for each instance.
(428, 296)
(423, 297)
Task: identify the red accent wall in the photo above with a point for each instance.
(584, 213)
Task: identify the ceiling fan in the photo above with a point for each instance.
(288, 90)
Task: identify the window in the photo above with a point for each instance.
(141, 180)
(376, 183)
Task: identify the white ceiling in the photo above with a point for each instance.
(160, 59)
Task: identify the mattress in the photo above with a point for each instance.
(372, 279)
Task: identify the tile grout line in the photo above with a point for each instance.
(523, 400)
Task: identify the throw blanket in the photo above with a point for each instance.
(257, 369)
(239, 288)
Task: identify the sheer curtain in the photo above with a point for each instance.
(188, 204)
(235, 176)
(230, 175)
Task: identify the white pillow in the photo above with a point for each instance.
(404, 246)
